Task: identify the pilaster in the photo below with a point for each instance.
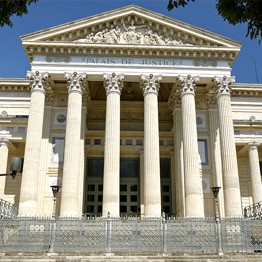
(152, 192)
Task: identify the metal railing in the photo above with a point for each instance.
(7, 210)
(253, 211)
(130, 236)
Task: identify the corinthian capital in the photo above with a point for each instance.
(150, 84)
(222, 85)
(187, 84)
(38, 81)
(76, 82)
(113, 83)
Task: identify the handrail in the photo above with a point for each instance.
(253, 211)
(7, 210)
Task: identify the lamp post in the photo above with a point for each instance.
(15, 167)
(215, 191)
(55, 190)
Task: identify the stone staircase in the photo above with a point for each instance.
(32, 257)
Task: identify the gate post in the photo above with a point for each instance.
(108, 233)
(164, 226)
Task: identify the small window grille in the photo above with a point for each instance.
(139, 142)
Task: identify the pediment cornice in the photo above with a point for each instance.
(130, 30)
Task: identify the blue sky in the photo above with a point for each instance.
(47, 13)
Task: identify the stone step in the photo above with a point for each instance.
(118, 258)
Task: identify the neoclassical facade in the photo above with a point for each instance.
(133, 114)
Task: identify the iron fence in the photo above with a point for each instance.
(253, 211)
(7, 210)
(130, 235)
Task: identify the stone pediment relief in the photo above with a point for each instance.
(132, 33)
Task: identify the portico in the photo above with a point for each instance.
(133, 115)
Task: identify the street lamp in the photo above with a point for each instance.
(215, 191)
(15, 167)
(55, 190)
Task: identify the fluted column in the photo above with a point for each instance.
(193, 184)
(113, 85)
(85, 102)
(232, 196)
(175, 105)
(216, 152)
(152, 192)
(29, 184)
(255, 172)
(72, 153)
(3, 166)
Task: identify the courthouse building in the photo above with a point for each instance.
(132, 113)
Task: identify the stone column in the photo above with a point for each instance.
(175, 106)
(3, 166)
(232, 196)
(29, 184)
(216, 151)
(85, 101)
(152, 191)
(43, 187)
(193, 184)
(113, 85)
(255, 172)
(72, 154)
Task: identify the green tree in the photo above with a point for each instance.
(235, 12)
(13, 7)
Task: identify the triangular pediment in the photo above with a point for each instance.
(129, 27)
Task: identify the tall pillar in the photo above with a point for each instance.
(85, 101)
(72, 153)
(216, 151)
(175, 106)
(255, 172)
(152, 191)
(44, 158)
(3, 166)
(193, 184)
(113, 85)
(29, 184)
(232, 196)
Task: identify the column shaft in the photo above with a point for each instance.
(72, 153)
(193, 184)
(113, 85)
(152, 189)
(255, 173)
(216, 158)
(179, 164)
(232, 196)
(29, 184)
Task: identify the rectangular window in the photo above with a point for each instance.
(129, 167)
(165, 167)
(95, 167)
(202, 150)
(58, 145)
